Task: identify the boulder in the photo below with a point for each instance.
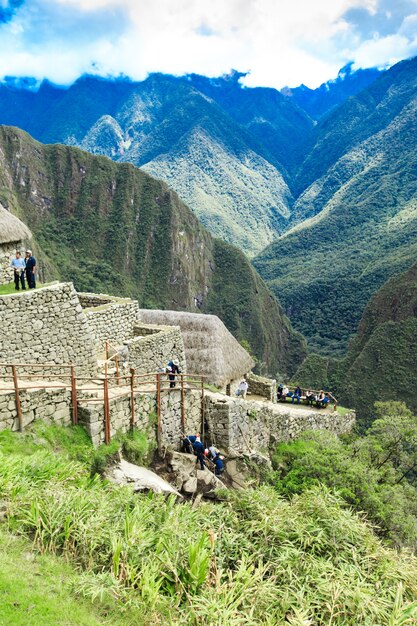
(139, 478)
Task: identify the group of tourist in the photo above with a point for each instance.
(192, 444)
(24, 270)
(320, 399)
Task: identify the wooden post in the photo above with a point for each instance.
(16, 391)
(182, 404)
(202, 411)
(74, 397)
(116, 360)
(132, 398)
(107, 349)
(158, 409)
(106, 407)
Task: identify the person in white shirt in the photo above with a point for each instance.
(18, 265)
(242, 389)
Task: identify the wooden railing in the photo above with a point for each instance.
(127, 386)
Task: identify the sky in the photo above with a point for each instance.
(278, 42)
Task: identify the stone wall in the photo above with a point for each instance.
(42, 404)
(88, 300)
(150, 352)
(7, 252)
(113, 321)
(46, 325)
(265, 387)
(92, 416)
(242, 425)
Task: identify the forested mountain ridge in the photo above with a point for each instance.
(318, 102)
(382, 359)
(361, 225)
(111, 227)
(214, 158)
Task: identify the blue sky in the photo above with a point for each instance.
(279, 42)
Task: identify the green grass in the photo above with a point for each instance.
(37, 589)
(10, 288)
(253, 559)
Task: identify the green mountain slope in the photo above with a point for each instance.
(361, 229)
(110, 227)
(382, 359)
(157, 123)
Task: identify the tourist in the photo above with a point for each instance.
(18, 265)
(199, 452)
(320, 399)
(297, 394)
(173, 370)
(310, 397)
(285, 392)
(279, 392)
(218, 465)
(187, 443)
(213, 452)
(30, 264)
(242, 389)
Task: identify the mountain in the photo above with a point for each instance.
(317, 102)
(111, 227)
(222, 147)
(382, 360)
(357, 217)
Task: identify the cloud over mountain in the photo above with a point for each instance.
(279, 43)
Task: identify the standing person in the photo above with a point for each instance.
(173, 370)
(199, 452)
(30, 263)
(18, 265)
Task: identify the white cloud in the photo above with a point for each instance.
(279, 41)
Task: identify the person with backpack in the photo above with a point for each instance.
(218, 465)
(199, 449)
(173, 370)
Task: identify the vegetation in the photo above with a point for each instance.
(252, 559)
(376, 473)
(111, 228)
(358, 213)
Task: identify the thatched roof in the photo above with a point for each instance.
(210, 349)
(12, 229)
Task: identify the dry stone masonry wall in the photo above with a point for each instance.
(254, 425)
(41, 404)
(109, 318)
(150, 350)
(260, 386)
(92, 416)
(46, 325)
(7, 252)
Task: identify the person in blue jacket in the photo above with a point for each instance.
(30, 267)
(199, 452)
(297, 394)
(188, 441)
(218, 465)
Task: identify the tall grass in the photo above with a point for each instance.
(254, 559)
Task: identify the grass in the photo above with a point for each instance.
(37, 589)
(253, 559)
(5, 290)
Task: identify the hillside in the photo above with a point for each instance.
(223, 160)
(253, 558)
(382, 359)
(318, 102)
(110, 227)
(358, 221)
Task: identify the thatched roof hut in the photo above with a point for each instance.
(210, 349)
(12, 230)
